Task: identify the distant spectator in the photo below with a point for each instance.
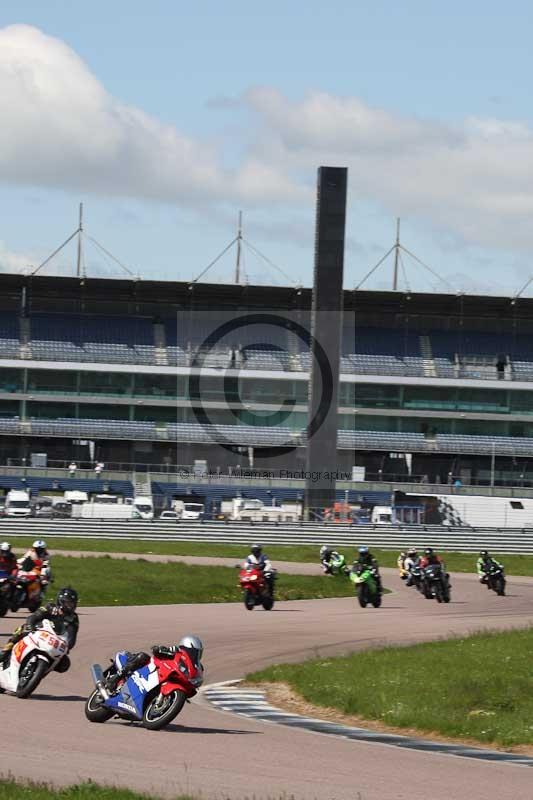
(458, 483)
(72, 467)
(98, 468)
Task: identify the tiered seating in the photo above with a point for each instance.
(9, 335)
(68, 337)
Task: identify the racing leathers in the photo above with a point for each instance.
(483, 566)
(263, 563)
(64, 622)
(8, 564)
(367, 560)
(329, 561)
(39, 563)
(135, 661)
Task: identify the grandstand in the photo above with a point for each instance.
(439, 387)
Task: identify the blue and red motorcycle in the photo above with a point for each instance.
(154, 694)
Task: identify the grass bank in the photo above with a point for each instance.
(457, 562)
(103, 581)
(479, 687)
(13, 790)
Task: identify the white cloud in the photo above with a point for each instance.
(11, 261)
(60, 128)
(473, 179)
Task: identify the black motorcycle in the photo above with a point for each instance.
(436, 584)
(495, 579)
(415, 578)
(6, 593)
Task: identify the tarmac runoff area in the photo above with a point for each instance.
(218, 754)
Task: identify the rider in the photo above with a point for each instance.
(367, 560)
(401, 566)
(192, 644)
(8, 561)
(412, 560)
(327, 557)
(62, 614)
(259, 560)
(484, 563)
(39, 556)
(429, 558)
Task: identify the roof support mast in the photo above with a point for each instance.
(396, 256)
(239, 248)
(80, 233)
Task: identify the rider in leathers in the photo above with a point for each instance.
(259, 560)
(135, 661)
(62, 614)
(366, 559)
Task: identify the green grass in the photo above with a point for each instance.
(478, 687)
(12, 790)
(456, 562)
(103, 581)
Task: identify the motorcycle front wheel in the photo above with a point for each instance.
(500, 588)
(249, 601)
(361, 596)
(30, 676)
(162, 709)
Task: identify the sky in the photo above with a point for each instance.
(167, 118)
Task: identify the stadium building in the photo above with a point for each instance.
(146, 375)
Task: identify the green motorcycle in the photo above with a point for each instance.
(337, 565)
(366, 586)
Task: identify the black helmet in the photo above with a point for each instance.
(256, 550)
(484, 554)
(67, 599)
(429, 552)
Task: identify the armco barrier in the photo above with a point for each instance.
(461, 539)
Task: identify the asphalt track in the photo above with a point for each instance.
(219, 755)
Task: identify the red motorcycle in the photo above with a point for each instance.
(256, 588)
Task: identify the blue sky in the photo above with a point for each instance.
(165, 119)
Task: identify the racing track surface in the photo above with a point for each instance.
(223, 756)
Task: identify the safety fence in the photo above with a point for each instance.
(338, 535)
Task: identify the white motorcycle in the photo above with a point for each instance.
(32, 658)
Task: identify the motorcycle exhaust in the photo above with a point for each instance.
(98, 678)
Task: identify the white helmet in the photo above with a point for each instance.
(5, 547)
(325, 550)
(39, 545)
(194, 647)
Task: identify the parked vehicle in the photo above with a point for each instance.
(108, 507)
(256, 511)
(62, 510)
(154, 694)
(75, 497)
(255, 589)
(186, 510)
(496, 579)
(18, 503)
(436, 583)
(366, 586)
(169, 516)
(32, 658)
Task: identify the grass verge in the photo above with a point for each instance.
(479, 687)
(456, 562)
(13, 790)
(103, 581)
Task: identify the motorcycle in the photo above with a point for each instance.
(33, 657)
(366, 586)
(154, 694)
(436, 584)
(30, 587)
(255, 588)
(496, 579)
(415, 578)
(337, 565)
(6, 592)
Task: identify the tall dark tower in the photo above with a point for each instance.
(326, 330)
